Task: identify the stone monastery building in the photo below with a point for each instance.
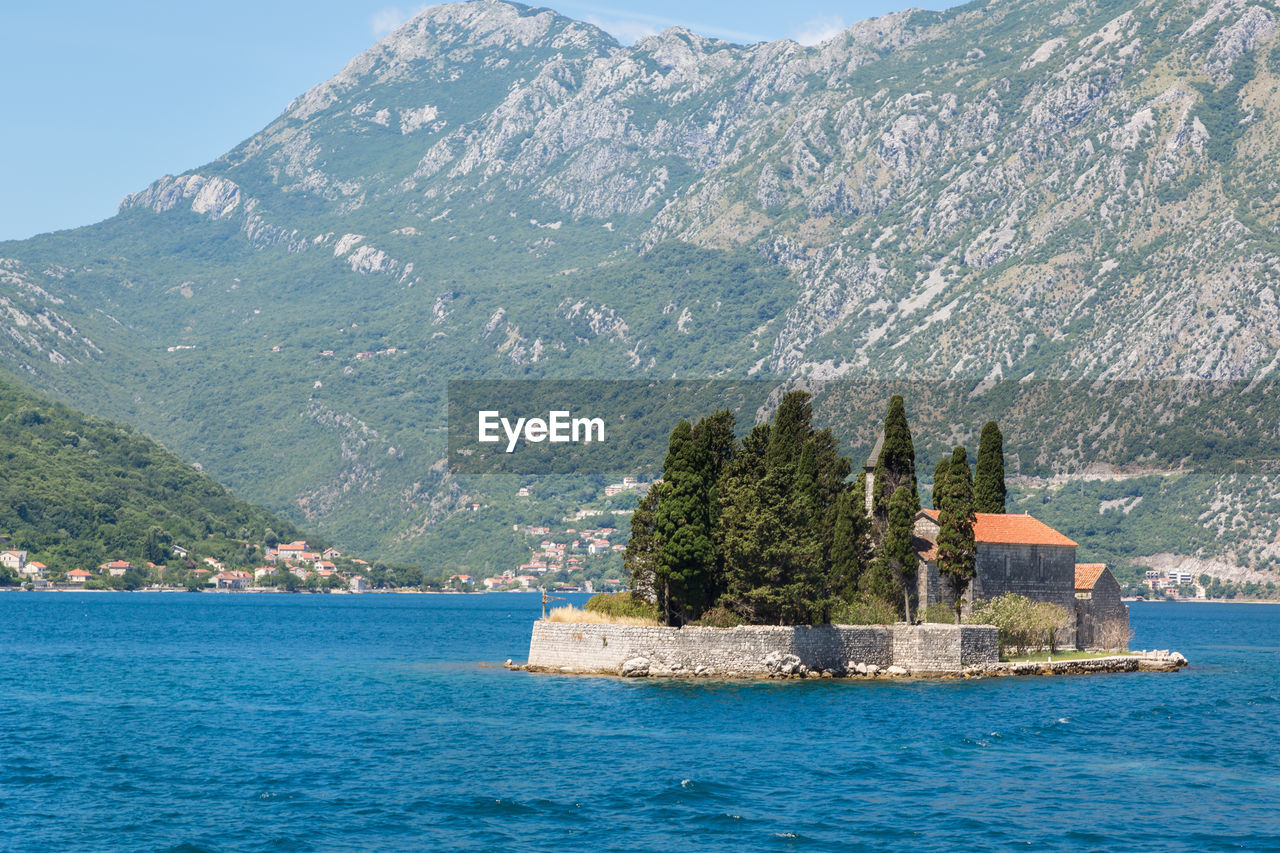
(1023, 555)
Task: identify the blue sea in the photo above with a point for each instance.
(184, 722)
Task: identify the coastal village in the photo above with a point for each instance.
(583, 555)
(290, 566)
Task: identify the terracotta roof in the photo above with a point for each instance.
(1005, 529)
(78, 573)
(1087, 574)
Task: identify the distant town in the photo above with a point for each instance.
(575, 557)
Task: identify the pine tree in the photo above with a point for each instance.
(957, 551)
(896, 465)
(988, 479)
(940, 480)
(897, 557)
(683, 522)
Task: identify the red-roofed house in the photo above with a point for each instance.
(78, 576)
(1016, 553)
(116, 568)
(13, 559)
(232, 580)
(292, 551)
(1102, 618)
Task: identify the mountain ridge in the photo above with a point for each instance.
(1042, 188)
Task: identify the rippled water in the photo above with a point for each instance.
(224, 722)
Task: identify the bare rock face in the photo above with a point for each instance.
(634, 668)
(782, 665)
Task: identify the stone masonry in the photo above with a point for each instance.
(759, 650)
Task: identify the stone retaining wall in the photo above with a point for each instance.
(759, 650)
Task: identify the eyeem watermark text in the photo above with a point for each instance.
(558, 428)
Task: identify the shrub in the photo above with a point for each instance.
(865, 610)
(622, 605)
(569, 613)
(1023, 624)
(939, 612)
(720, 617)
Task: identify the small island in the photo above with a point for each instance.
(761, 557)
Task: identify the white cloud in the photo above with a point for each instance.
(819, 29)
(383, 21)
(627, 27)
(625, 30)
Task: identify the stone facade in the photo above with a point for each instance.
(1102, 618)
(924, 649)
(759, 650)
(1040, 571)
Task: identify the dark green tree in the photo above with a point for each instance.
(851, 545)
(640, 559)
(791, 428)
(896, 464)
(687, 551)
(939, 480)
(157, 550)
(716, 446)
(897, 557)
(957, 551)
(988, 478)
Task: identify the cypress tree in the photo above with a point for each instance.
(988, 478)
(940, 480)
(897, 556)
(790, 430)
(717, 446)
(641, 556)
(683, 523)
(957, 551)
(896, 465)
(804, 500)
(851, 545)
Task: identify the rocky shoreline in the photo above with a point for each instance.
(782, 666)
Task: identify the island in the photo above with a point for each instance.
(761, 557)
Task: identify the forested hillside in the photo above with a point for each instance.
(77, 491)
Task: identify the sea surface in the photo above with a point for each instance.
(184, 722)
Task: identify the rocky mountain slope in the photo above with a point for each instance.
(1026, 188)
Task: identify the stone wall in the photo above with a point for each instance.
(1102, 618)
(757, 650)
(943, 648)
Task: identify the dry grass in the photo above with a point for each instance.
(569, 613)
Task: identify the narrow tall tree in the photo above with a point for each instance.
(957, 551)
(641, 555)
(851, 545)
(897, 556)
(940, 480)
(683, 522)
(896, 465)
(988, 478)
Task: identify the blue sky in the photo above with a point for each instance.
(102, 98)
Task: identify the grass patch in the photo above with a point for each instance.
(1045, 655)
(569, 613)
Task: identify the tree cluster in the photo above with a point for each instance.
(767, 527)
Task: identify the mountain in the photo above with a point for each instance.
(1049, 189)
(77, 491)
